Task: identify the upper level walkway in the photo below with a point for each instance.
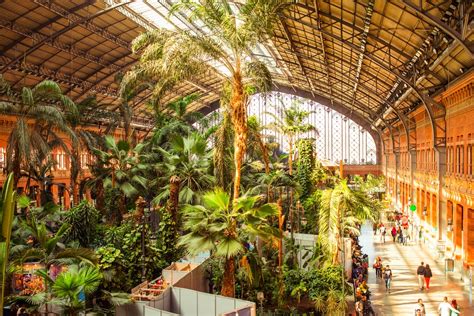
(403, 261)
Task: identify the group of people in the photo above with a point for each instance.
(400, 232)
(424, 275)
(444, 309)
(383, 272)
(360, 265)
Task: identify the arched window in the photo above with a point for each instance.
(61, 160)
(469, 159)
(460, 159)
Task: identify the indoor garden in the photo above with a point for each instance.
(139, 200)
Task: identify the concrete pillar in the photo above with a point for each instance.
(440, 153)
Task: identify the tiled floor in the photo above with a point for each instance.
(404, 261)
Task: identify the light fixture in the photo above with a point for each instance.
(450, 225)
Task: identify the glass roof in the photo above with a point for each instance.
(156, 14)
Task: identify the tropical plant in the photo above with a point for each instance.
(223, 152)
(122, 169)
(46, 103)
(321, 286)
(7, 206)
(340, 210)
(290, 121)
(46, 247)
(256, 141)
(83, 220)
(71, 288)
(305, 166)
(185, 170)
(169, 57)
(174, 119)
(85, 139)
(225, 230)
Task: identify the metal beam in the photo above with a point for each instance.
(428, 17)
(323, 46)
(352, 26)
(293, 48)
(46, 73)
(76, 19)
(62, 31)
(437, 140)
(363, 40)
(45, 24)
(67, 48)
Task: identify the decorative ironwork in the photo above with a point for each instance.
(338, 137)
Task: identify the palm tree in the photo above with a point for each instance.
(186, 170)
(70, 285)
(44, 103)
(223, 228)
(223, 154)
(122, 169)
(255, 138)
(341, 208)
(174, 119)
(85, 139)
(290, 121)
(168, 57)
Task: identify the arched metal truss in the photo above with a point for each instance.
(375, 60)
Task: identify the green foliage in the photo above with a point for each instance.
(305, 165)
(83, 220)
(108, 257)
(131, 254)
(218, 226)
(69, 285)
(7, 206)
(311, 211)
(322, 286)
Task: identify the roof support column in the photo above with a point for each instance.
(440, 154)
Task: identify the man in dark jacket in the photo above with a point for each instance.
(421, 276)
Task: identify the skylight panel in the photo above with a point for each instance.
(148, 12)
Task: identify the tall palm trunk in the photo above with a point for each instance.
(173, 201)
(228, 281)
(100, 195)
(239, 122)
(74, 174)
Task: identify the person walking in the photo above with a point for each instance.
(420, 272)
(445, 309)
(404, 236)
(420, 308)
(454, 304)
(427, 274)
(378, 267)
(383, 231)
(400, 234)
(375, 228)
(394, 233)
(387, 276)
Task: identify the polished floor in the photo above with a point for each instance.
(404, 261)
